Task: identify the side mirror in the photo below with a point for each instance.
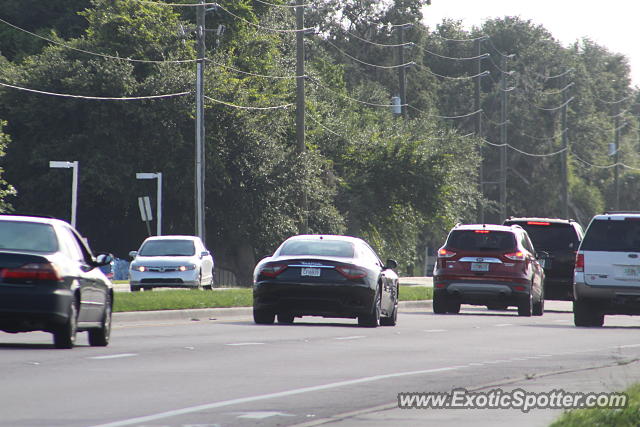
(133, 254)
(391, 264)
(103, 259)
(204, 254)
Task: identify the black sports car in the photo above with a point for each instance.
(50, 281)
(328, 276)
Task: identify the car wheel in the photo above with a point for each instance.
(263, 317)
(453, 307)
(285, 318)
(587, 314)
(392, 319)
(209, 287)
(99, 337)
(65, 335)
(538, 307)
(372, 320)
(440, 304)
(134, 288)
(525, 306)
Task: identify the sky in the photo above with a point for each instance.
(613, 24)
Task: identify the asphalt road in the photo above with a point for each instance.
(222, 370)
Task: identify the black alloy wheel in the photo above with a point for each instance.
(392, 319)
(372, 320)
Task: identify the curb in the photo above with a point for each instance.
(215, 313)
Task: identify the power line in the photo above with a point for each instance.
(243, 107)
(150, 61)
(386, 67)
(267, 76)
(461, 116)
(99, 98)
(316, 81)
(277, 30)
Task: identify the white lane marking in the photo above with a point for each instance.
(223, 403)
(435, 330)
(245, 343)
(354, 337)
(114, 356)
(500, 325)
(476, 364)
(630, 346)
(260, 415)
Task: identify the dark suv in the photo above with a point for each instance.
(492, 265)
(559, 238)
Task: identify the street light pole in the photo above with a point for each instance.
(74, 184)
(158, 176)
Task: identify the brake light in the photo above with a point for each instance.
(579, 263)
(515, 256)
(351, 273)
(538, 223)
(445, 253)
(482, 231)
(33, 272)
(272, 270)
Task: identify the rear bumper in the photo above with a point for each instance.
(25, 308)
(302, 299)
(482, 293)
(610, 299)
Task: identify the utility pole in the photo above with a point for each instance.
(617, 158)
(199, 161)
(402, 74)
(503, 141)
(300, 107)
(565, 154)
(478, 123)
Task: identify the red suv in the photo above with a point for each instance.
(492, 265)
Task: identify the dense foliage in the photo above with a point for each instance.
(399, 182)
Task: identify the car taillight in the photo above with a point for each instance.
(538, 223)
(515, 256)
(445, 253)
(272, 270)
(351, 273)
(580, 263)
(31, 273)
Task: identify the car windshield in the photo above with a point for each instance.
(551, 237)
(479, 240)
(27, 236)
(612, 236)
(336, 248)
(168, 248)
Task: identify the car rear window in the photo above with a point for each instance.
(479, 240)
(550, 236)
(168, 248)
(335, 248)
(27, 236)
(612, 236)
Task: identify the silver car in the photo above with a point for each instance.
(171, 262)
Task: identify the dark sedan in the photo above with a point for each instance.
(328, 276)
(50, 281)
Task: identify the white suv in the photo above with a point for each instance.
(607, 270)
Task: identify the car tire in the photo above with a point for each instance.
(586, 314)
(263, 317)
(525, 306)
(538, 307)
(285, 318)
(371, 320)
(99, 337)
(134, 288)
(440, 304)
(209, 287)
(392, 319)
(453, 307)
(65, 335)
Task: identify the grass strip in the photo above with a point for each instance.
(603, 417)
(237, 297)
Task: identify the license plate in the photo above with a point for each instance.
(479, 266)
(312, 272)
(631, 272)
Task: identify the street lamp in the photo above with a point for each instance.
(74, 184)
(158, 176)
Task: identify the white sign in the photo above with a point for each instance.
(145, 208)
